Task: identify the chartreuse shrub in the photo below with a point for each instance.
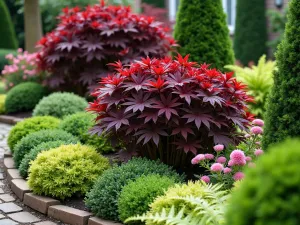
(270, 192)
(195, 203)
(8, 40)
(2, 103)
(103, 197)
(60, 105)
(137, 195)
(250, 36)
(30, 141)
(66, 171)
(28, 126)
(282, 116)
(259, 81)
(31, 156)
(24, 97)
(173, 111)
(201, 30)
(79, 124)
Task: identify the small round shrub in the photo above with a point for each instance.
(270, 192)
(137, 195)
(66, 171)
(79, 124)
(24, 97)
(103, 197)
(60, 105)
(30, 141)
(31, 156)
(2, 104)
(30, 125)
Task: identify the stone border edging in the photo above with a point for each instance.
(45, 205)
(9, 119)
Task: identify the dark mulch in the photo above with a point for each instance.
(21, 114)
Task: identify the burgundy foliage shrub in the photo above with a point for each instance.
(85, 41)
(170, 109)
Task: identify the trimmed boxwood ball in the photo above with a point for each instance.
(60, 105)
(137, 195)
(30, 125)
(66, 171)
(103, 197)
(31, 156)
(24, 97)
(30, 141)
(79, 124)
(270, 192)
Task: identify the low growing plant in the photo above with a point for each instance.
(66, 171)
(60, 105)
(28, 126)
(2, 103)
(102, 200)
(24, 146)
(170, 109)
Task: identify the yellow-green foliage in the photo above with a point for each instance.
(2, 104)
(259, 80)
(30, 125)
(66, 171)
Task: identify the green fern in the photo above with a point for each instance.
(206, 211)
(259, 80)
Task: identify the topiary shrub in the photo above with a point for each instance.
(250, 36)
(30, 141)
(78, 50)
(79, 124)
(60, 105)
(201, 30)
(282, 116)
(31, 156)
(269, 194)
(9, 40)
(24, 97)
(2, 104)
(137, 195)
(103, 197)
(28, 126)
(173, 110)
(66, 171)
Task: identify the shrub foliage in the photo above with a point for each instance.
(66, 171)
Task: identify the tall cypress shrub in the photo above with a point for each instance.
(250, 31)
(8, 38)
(283, 110)
(201, 31)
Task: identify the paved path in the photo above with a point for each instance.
(12, 210)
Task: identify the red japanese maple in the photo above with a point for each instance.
(85, 41)
(171, 109)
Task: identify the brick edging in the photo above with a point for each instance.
(9, 119)
(45, 205)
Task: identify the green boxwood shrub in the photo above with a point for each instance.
(60, 105)
(28, 126)
(270, 192)
(31, 156)
(79, 124)
(282, 116)
(24, 97)
(66, 171)
(103, 197)
(30, 141)
(137, 195)
(201, 30)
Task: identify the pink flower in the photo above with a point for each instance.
(197, 159)
(238, 157)
(247, 135)
(257, 130)
(227, 170)
(258, 152)
(230, 163)
(219, 148)
(258, 143)
(206, 179)
(258, 122)
(221, 160)
(20, 50)
(238, 176)
(216, 167)
(194, 161)
(209, 156)
(248, 158)
(24, 77)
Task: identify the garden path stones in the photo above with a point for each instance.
(24, 217)
(7, 198)
(8, 222)
(10, 207)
